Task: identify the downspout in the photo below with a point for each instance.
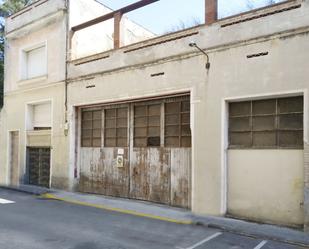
(67, 48)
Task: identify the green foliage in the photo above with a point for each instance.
(8, 7)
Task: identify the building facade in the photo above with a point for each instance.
(149, 120)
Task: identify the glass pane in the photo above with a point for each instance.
(110, 123)
(172, 130)
(240, 124)
(110, 113)
(122, 142)
(87, 133)
(110, 133)
(122, 132)
(240, 109)
(154, 121)
(110, 142)
(154, 110)
(96, 133)
(264, 107)
(97, 115)
(185, 118)
(140, 132)
(264, 123)
(242, 139)
(97, 124)
(185, 130)
(96, 142)
(173, 107)
(140, 122)
(186, 141)
(122, 122)
(153, 141)
(140, 111)
(122, 112)
(264, 139)
(293, 104)
(87, 116)
(172, 141)
(86, 142)
(140, 142)
(291, 121)
(185, 106)
(172, 119)
(87, 124)
(154, 131)
(293, 139)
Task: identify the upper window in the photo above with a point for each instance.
(34, 62)
(272, 123)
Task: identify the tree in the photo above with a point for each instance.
(8, 7)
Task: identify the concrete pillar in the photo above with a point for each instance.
(211, 11)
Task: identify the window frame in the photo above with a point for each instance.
(23, 68)
(276, 130)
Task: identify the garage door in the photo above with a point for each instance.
(138, 150)
(265, 160)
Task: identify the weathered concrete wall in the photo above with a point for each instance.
(126, 74)
(266, 185)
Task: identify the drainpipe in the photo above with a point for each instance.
(67, 50)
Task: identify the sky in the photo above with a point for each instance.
(168, 15)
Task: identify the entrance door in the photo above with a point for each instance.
(38, 164)
(14, 158)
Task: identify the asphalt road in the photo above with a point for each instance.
(31, 222)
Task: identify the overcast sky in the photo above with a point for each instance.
(165, 15)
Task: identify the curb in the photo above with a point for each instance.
(118, 210)
(26, 190)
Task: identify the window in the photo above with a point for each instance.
(42, 116)
(272, 123)
(91, 128)
(34, 63)
(116, 127)
(177, 124)
(147, 119)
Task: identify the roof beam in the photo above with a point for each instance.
(111, 15)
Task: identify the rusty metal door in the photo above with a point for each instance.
(14, 158)
(38, 165)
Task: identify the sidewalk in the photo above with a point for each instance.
(171, 214)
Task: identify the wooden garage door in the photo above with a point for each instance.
(38, 164)
(138, 150)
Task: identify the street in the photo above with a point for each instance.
(31, 222)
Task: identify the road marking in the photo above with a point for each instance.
(4, 201)
(259, 246)
(204, 240)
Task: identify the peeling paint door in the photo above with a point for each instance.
(14, 158)
(138, 150)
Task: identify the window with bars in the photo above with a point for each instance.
(91, 128)
(271, 123)
(177, 132)
(116, 127)
(147, 129)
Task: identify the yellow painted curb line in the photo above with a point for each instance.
(119, 210)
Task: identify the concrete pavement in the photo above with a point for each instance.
(174, 215)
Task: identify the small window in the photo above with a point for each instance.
(147, 119)
(177, 124)
(91, 128)
(116, 127)
(34, 63)
(273, 123)
(42, 116)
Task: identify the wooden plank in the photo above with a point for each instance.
(14, 158)
(181, 177)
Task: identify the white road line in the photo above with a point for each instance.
(4, 201)
(259, 246)
(204, 240)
